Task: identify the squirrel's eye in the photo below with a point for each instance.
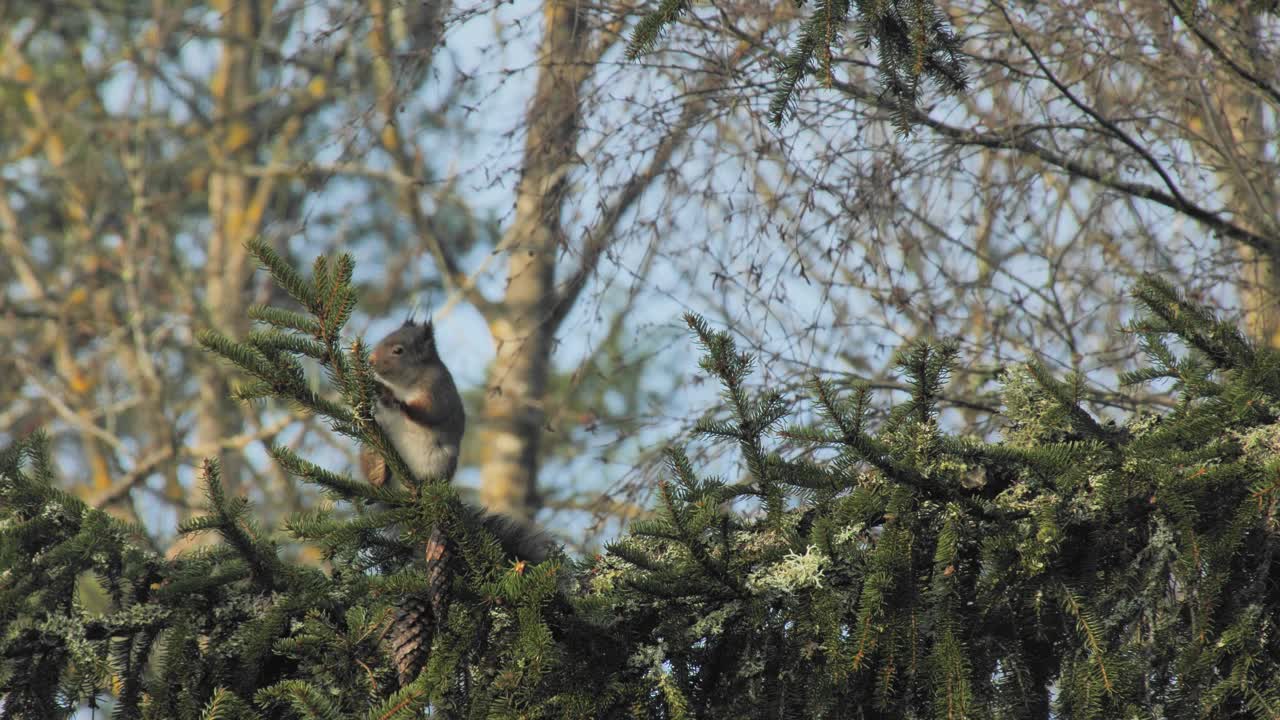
(397, 350)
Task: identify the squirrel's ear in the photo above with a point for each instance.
(412, 319)
(427, 334)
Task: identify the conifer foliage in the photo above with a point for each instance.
(879, 568)
(233, 630)
(1076, 568)
(914, 43)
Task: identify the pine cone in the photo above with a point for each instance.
(374, 467)
(418, 616)
(438, 554)
(410, 637)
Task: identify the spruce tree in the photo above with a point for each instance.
(1074, 568)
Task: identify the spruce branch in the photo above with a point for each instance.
(913, 39)
(1067, 397)
(646, 34)
(305, 699)
(1224, 344)
(230, 518)
(927, 367)
(283, 273)
(1090, 630)
(340, 486)
(282, 318)
(226, 705)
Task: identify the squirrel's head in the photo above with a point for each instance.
(400, 357)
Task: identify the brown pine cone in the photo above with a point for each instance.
(418, 616)
(373, 467)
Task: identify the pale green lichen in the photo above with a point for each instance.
(712, 624)
(1034, 415)
(606, 574)
(1261, 443)
(794, 572)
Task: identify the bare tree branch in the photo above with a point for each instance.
(1245, 74)
(602, 235)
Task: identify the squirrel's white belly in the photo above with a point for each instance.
(421, 448)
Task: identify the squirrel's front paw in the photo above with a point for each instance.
(385, 413)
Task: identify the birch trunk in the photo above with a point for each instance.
(234, 217)
(1250, 191)
(513, 412)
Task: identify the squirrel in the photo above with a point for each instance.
(421, 412)
(418, 406)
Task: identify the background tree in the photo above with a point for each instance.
(1092, 145)
(145, 146)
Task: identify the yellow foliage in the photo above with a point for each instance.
(80, 383)
(238, 135)
(23, 72)
(75, 209)
(317, 87)
(77, 297)
(218, 83)
(54, 149)
(232, 222)
(101, 474)
(311, 555)
(31, 140)
(196, 179)
(390, 140)
(151, 36)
